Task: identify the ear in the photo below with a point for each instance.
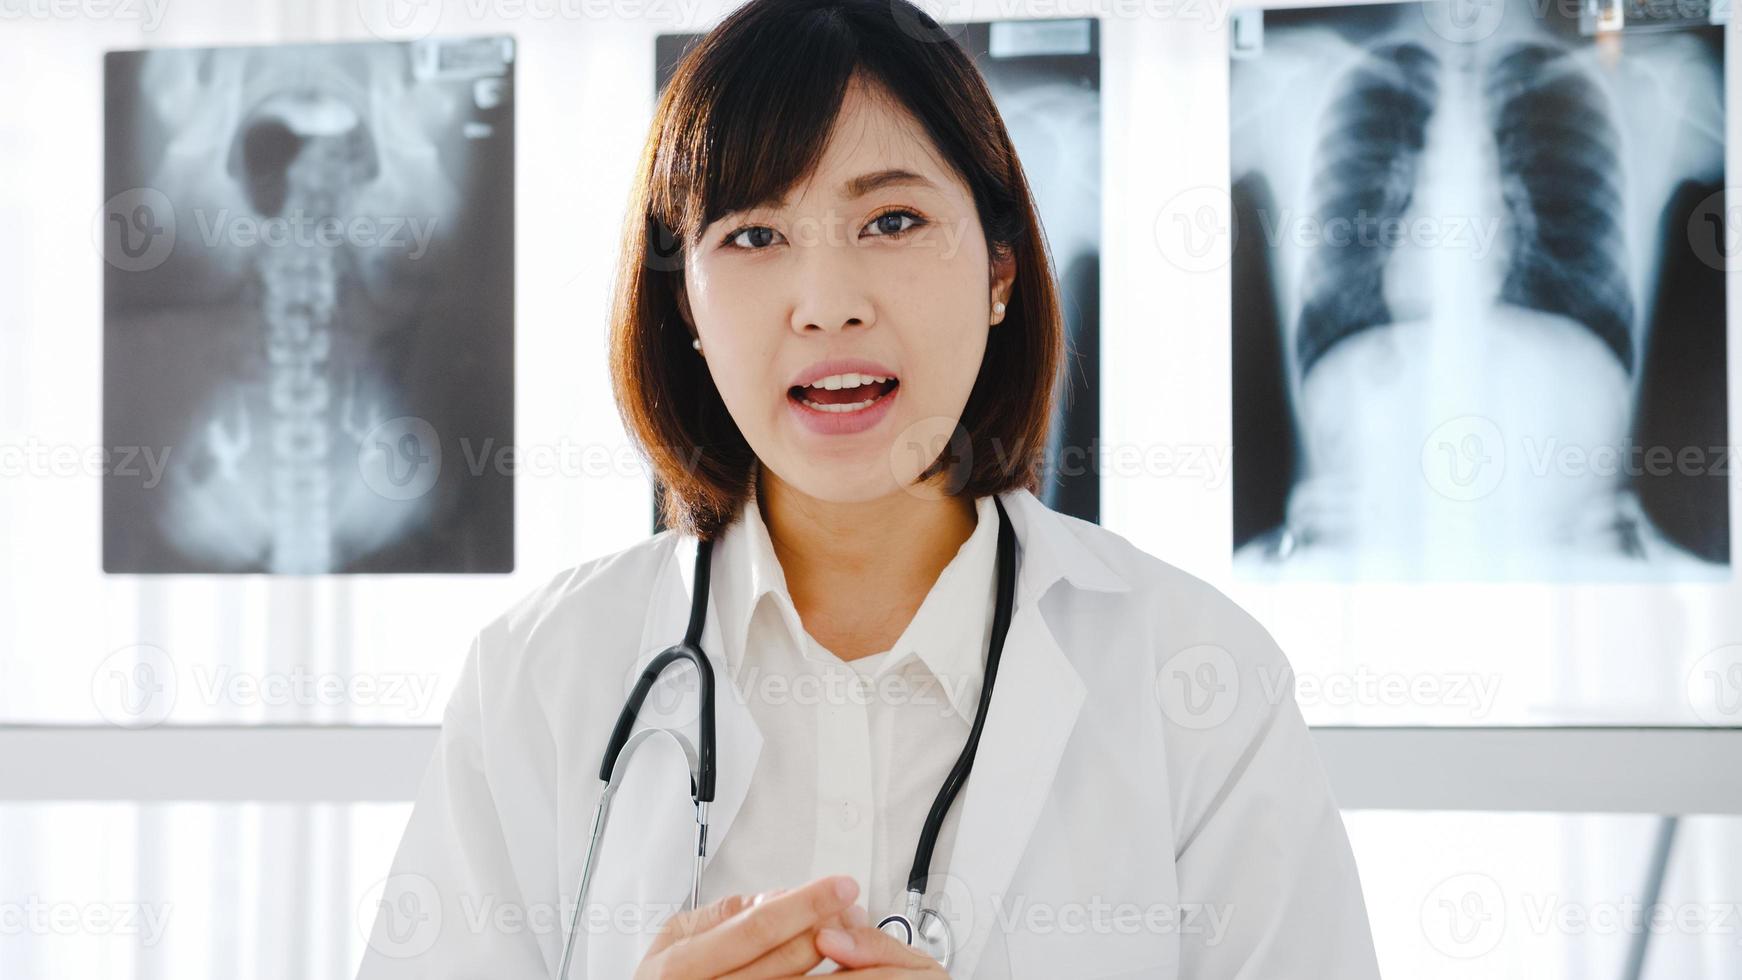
(1003, 280)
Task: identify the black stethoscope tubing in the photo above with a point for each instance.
(690, 649)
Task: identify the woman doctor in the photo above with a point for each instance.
(836, 338)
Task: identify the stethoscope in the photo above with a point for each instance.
(914, 925)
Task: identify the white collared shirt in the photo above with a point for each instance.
(854, 752)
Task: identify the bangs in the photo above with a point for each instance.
(743, 130)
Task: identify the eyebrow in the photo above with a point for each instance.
(864, 184)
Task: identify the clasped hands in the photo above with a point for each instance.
(780, 934)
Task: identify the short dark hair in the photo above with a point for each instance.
(747, 115)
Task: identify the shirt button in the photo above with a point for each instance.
(849, 815)
(862, 686)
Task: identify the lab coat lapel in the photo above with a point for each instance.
(659, 882)
(1036, 699)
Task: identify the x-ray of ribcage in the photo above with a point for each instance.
(308, 311)
(1479, 313)
(1045, 76)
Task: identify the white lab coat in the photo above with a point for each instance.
(1146, 800)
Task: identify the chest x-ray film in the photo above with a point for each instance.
(1478, 297)
(308, 308)
(1045, 77)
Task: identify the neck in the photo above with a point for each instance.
(852, 564)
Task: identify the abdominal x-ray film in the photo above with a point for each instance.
(308, 308)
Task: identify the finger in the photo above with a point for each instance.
(894, 973)
(864, 946)
(686, 924)
(755, 931)
(798, 955)
(793, 958)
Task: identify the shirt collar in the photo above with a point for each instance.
(949, 632)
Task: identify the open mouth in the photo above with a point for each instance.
(849, 395)
(845, 397)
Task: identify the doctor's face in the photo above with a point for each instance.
(874, 267)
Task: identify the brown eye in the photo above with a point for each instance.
(889, 223)
(760, 233)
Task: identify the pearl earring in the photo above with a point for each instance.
(998, 309)
(696, 343)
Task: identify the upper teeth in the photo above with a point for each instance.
(835, 381)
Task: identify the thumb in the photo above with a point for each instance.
(867, 946)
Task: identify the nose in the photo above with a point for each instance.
(831, 287)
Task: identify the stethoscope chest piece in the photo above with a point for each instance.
(931, 935)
